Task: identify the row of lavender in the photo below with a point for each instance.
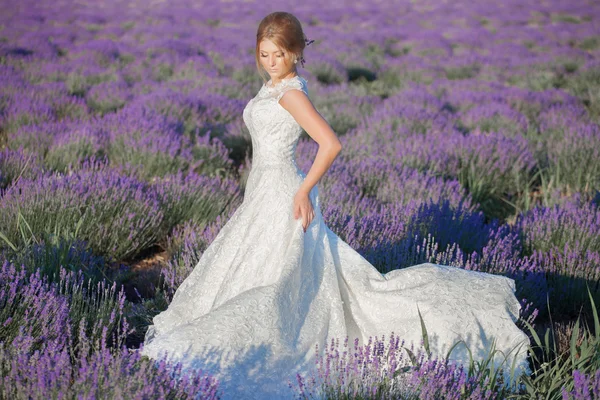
(122, 132)
(122, 216)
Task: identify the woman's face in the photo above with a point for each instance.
(273, 60)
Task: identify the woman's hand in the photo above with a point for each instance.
(303, 208)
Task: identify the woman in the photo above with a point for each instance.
(276, 281)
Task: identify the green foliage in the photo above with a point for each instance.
(326, 74)
(586, 86)
(355, 72)
(495, 123)
(92, 310)
(246, 76)
(531, 110)
(500, 193)
(69, 156)
(180, 204)
(219, 63)
(13, 169)
(94, 27)
(56, 252)
(544, 79)
(95, 309)
(562, 17)
(15, 121)
(394, 48)
(148, 164)
(70, 111)
(553, 371)
(462, 72)
(374, 55)
(30, 220)
(105, 105)
(140, 314)
(125, 59)
(590, 43)
(78, 84)
(570, 163)
(341, 112)
(208, 162)
(239, 144)
(127, 25)
(161, 72)
(388, 82)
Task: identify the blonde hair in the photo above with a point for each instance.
(285, 31)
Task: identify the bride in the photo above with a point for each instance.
(276, 281)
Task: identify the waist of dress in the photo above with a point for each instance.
(289, 164)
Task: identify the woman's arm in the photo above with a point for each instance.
(300, 107)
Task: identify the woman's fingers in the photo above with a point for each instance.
(304, 219)
(304, 211)
(307, 218)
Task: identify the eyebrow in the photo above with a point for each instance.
(276, 51)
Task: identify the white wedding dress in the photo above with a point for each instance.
(264, 293)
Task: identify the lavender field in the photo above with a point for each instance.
(470, 133)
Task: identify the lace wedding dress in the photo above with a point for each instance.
(265, 292)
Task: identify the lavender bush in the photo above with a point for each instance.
(184, 249)
(61, 340)
(195, 198)
(117, 215)
(55, 253)
(74, 146)
(576, 223)
(146, 141)
(15, 165)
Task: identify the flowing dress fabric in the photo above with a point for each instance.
(265, 292)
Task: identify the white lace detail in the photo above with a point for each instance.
(264, 292)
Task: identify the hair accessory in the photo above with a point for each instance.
(307, 42)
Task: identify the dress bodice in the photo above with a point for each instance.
(274, 131)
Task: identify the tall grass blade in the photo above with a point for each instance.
(424, 333)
